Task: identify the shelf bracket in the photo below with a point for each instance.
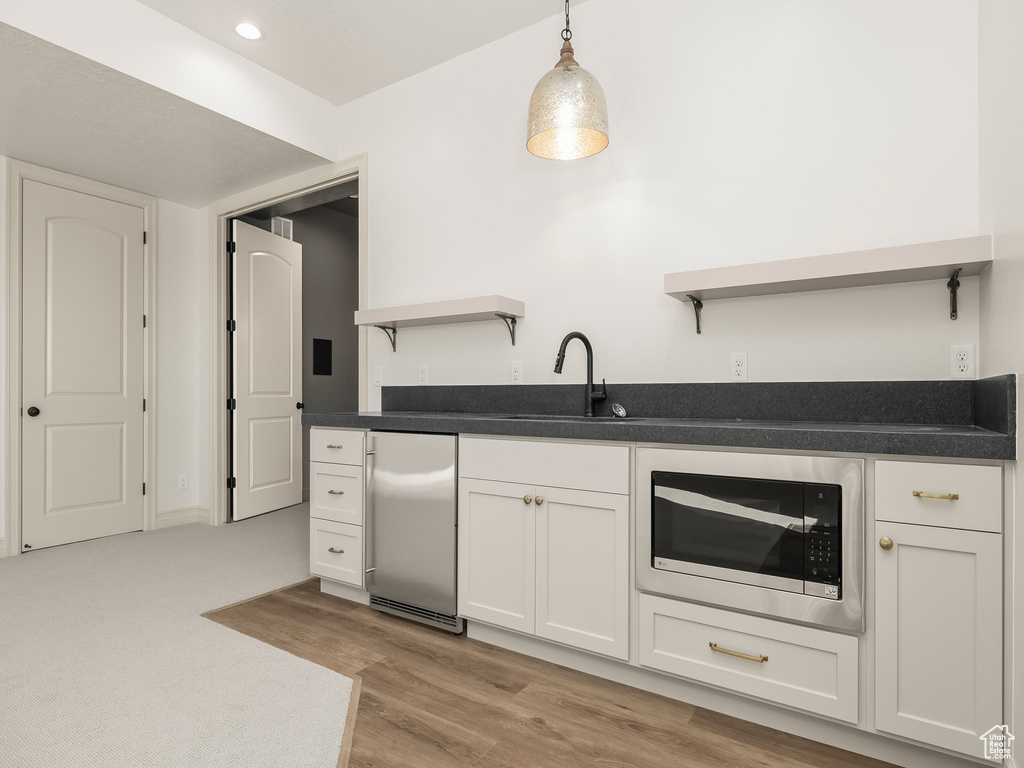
(392, 333)
(953, 285)
(698, 305)
(510, 322)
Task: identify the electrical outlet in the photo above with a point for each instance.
(517, 371)
(378, 376)
(962, 363)
(182, 482)
(423, 374)
(738, 372)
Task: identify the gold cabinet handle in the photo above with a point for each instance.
(885, 543)
(943, 496)
(336, 493)
(539, 500)
(334, 551)
(336, 447)
(527, 499)
(760, 659)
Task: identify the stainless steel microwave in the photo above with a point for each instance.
(777, 535)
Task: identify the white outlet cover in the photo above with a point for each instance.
(182, 482)
(378, 376)
(963, 363)
(423, 373)
(516, 372)
(738, 369)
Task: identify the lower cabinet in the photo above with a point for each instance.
(552, 562)
(938, 634)
(336, 551)
(802, 667)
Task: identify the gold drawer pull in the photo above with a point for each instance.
(336, 493)
(943, 496)
(336, 447)
(745, 656)
(334, 551)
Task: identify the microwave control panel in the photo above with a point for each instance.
(822, 541)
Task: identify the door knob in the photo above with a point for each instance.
(33, 411)
(885, 543)
(300, 406)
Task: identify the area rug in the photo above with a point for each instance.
(105, 659)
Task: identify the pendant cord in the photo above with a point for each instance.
(567, 33)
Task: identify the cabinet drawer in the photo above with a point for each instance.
(806, 668)
(978, 508)
(336, 551)
(581, 466)
(336, 492)
(336, 446)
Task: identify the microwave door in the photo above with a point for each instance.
(737, 537)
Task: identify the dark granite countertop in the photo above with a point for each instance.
(954, 441)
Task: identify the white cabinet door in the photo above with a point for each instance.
(497, 553)
(583, 569)
(938, 635)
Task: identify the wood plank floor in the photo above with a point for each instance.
(429, 699)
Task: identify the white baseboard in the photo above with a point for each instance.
(184, 516)
(344, 591)
(3, 547)
(779, 718)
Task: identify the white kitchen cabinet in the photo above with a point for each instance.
(497, 550)
(336, 551)
(583, 569)
(938, 634)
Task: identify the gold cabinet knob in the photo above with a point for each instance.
(527, 499)
(885, 543)
(539, 500)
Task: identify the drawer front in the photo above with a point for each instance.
(580, 466)
(336, 492)
(336, 551)
(336, 446)
(806, 668)
(980, 491)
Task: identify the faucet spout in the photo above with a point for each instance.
(591, 394)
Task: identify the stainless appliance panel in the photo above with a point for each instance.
(846, 613)
(411, 518)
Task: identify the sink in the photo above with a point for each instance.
(550, 417)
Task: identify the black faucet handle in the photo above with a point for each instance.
(603, 394)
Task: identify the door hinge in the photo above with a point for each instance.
(232, 404)
(232, 325)
(143, 489)
(231, 246)
(143, 405)
(231, 482)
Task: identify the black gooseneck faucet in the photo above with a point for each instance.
(591, 394)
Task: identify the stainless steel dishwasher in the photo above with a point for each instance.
(410, 526)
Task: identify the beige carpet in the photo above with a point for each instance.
(106, 661)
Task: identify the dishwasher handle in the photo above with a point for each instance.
(368, 515)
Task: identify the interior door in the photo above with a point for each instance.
(82, 366)
(267, 442)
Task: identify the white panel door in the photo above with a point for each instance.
(583, 569)
(82, 366)
(497, 553)
(938, 635)
(267, 372)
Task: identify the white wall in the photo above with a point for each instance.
(3, 342)
(741, 131)
(183, 351)
(1001, 119)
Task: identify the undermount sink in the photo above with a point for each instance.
(551, 417)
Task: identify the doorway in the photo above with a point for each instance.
(293, 346)
(79, 357)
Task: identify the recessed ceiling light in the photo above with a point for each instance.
(248, 30)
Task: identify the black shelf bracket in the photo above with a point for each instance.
(510, 322)
(392, 333)
(698, 305)
(953, 285)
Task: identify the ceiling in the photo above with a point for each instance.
(65, 111)
(344, 49)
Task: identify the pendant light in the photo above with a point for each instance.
(568, 114)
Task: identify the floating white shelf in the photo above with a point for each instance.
(943, 259)
(471, 310)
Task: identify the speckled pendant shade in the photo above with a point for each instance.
(568, 113)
